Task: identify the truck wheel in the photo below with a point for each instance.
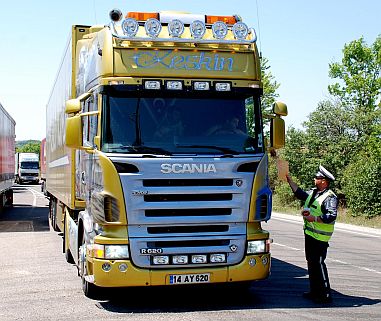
(89, 289)
(9, 196)
(53, 214)
(68, 256)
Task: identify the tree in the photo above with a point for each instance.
(344, 134)
(360, 84)
(270, 86)
(29, 147)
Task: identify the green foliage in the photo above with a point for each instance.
(270, 86)
(344, 134)
(363, 181)
(31, 146)
(360, 84)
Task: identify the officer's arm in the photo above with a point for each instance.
(329, 209)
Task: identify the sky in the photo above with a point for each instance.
(299, 38)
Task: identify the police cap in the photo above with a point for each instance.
(324, 173)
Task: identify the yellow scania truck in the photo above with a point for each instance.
(157, 167)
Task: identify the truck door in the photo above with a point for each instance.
(85, 160)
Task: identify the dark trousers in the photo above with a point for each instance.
(316, 252)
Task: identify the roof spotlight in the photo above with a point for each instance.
(220, 30)
(197, 29)
(176, 28)
(130, 27)
(153, 27)
(240, 30)
(115, 15)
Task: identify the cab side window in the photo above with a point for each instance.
(90, 122)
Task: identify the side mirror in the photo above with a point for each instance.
(280, 109)
(277, 133)
(73, 135)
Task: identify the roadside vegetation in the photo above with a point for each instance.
(343, 134)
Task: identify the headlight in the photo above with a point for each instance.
(255, 247)
(116, 252)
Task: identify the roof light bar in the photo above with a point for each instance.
(224, 28)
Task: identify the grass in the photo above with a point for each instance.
(342, 217)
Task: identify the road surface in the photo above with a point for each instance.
(38, 284)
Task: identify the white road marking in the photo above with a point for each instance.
(333, 260)
(35, 195)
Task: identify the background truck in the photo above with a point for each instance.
(43, 166)
(157, 168)
(7, 152)
(26, 168)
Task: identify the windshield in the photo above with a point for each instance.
(29, 165)
(167, 125)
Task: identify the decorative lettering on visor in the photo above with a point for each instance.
(171, 59)
(188, 168)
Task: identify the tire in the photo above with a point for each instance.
(68, 256)
(90, 290)
(53, 214)
(9, 196)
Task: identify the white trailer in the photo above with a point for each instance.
(7, 149)
(27, 167)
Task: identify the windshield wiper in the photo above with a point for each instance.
(149, 149)
(222, 149)
(141, 149)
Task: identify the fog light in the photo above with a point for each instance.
(199, 259)
(106, 267)
(122, 267)
(180, 259)
(252, 262)
(217, 258)
(265, 260)
(160, 259)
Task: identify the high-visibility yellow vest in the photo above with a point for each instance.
(319, 231)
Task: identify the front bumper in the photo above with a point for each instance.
(133, 276)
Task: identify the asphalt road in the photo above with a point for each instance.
(36, 283)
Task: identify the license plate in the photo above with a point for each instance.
(189, 278)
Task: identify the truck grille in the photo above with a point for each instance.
(186, 214)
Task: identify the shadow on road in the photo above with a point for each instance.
(273, 293)
(24, 218)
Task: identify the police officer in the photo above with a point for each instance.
(319, 213)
